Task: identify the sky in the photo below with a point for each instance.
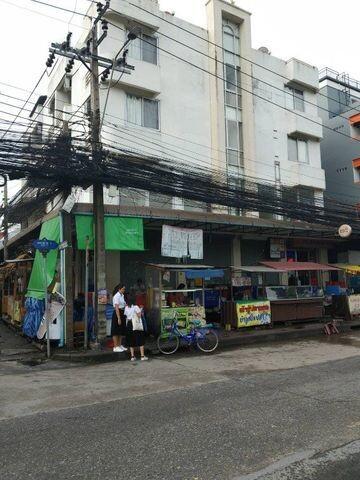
(310, 30)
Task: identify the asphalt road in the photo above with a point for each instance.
(298, 423)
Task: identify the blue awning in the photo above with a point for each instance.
(208, 273)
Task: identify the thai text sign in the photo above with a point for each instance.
(354, 304)
(253, 313)
(182, 242)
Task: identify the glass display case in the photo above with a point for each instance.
(293, 292)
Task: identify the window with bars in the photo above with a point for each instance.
(142, 111)
(144, 48)
(294, 99)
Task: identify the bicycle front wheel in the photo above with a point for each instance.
(168, 344)
(207, 342)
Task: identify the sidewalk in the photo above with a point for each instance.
(235, 338)
(13, 346)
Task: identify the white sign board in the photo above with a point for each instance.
(182, 242)
(354, 304)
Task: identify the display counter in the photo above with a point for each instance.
(295, 303)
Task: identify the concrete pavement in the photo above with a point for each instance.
(252, 411)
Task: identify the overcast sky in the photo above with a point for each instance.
(310, 30)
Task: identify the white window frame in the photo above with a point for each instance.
(140, 57)
(298, 141)
(291, 96)
(142, 112)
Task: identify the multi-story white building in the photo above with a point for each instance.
(204, 97)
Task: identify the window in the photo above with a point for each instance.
(52, 107)
(298, 150)
(144, 47)
(232, 86)
(231, 43)
(142, 111)
(234, 143)
(294, 99)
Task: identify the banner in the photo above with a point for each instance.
(254, 313)
(50, 230)
(121, 233)
(182, 242)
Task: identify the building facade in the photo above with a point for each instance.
(339, 106)
(206, 98)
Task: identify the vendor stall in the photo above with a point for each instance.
(301, 296)
(14, 275)
(248, 305)
(275, 292)
(176, 291)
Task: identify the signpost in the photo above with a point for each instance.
(44, 246)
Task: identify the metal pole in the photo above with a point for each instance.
(5, 221)
(46, 307)
(86, 340)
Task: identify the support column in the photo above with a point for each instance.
(236, 252)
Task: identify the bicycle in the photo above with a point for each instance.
(202, 337)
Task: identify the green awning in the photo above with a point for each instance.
(121, 233)
(51, 231)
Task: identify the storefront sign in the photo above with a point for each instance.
(345, 231)
(182, 242)
(253, 313)
(354, 304)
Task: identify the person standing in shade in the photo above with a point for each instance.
(135, 335)
(118, 323)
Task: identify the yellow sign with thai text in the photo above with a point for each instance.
(250, 314)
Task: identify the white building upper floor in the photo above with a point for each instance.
(201, 96)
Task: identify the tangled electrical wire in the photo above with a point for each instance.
(54, 166)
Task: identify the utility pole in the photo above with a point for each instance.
(98, 196)
(88, 56)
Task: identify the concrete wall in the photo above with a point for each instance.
(273, 123)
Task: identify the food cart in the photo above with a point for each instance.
(176, 291)
(301, 296)
(248, 305)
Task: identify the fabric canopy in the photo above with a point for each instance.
(298, 266)
(353, 269)
(36, 287)
(257, 269)
(121, 233)
(209, 273)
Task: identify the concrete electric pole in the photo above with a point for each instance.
(88, 56)
(98, 196)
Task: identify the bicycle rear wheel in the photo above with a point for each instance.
(168, 344)
(207, 342)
